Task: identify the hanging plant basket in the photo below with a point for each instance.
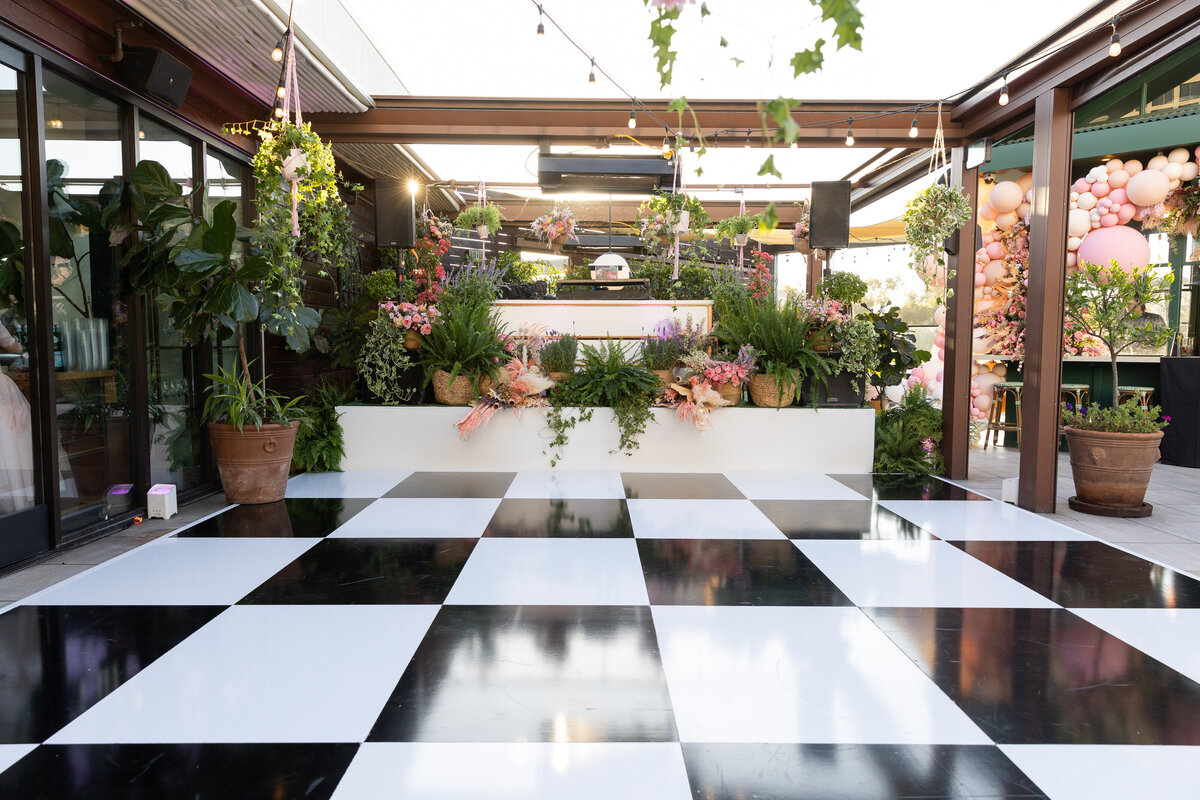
(802, 246)
(740, 239)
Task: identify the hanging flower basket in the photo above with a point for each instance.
(663, 216)
(802, 246)
(683, 221)
(556, 227)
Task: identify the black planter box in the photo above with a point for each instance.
(838, 392)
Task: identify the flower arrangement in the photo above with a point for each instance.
(417, 317)
(659, 216)
(555, 227)
(823, 313)
(437, 230)
(762, 282)
(800, 231)
(1178, 213)
(1129, 417)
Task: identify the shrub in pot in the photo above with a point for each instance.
(897, 351)
(1113, 450)
(558, 356)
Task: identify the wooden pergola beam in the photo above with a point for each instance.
(521, 211)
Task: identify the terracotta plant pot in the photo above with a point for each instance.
(412, 340)
(253, 462)
(731, 393)
(821, 341)
(764, 391)
(802, 246)
(459, 393)
(1112, 470)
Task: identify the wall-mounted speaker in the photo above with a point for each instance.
(156, 73)
(395, 214)
(829, 215)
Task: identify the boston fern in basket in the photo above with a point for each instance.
(469, 341)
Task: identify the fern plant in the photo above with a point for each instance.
(468, 342)
(908, 437)
(321, 445)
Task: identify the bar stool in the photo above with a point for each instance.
(1140, 393)
(996, 422)
(1077, 394)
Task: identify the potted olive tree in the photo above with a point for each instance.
(1113, 450)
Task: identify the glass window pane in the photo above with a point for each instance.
(90, 321)
(226, 180)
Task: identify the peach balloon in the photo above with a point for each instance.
(1126, 213)
(1190, 170)
(993, 271)
(1133, 167)
(1080, 186)
(1087, 201)
(939, 316)
(1148, 187)
(996, 250)
(1173, 170)
(1109, 220)
(1101, 189)
(1178, 156)
(1157, 163)
(980, 279)
(1071, 260)
(1118, 178)
(1026, 181)
(1112, 165)
(984, 402)
(1175, 183)
(1006, 220)
(1127, 246)
(1005, 196)
(1024, 210)
(986, 211)
(1118, 195)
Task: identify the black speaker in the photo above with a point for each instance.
(395, 214)
(156, 73)
(829, 215)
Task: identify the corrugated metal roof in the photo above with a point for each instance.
(236, 37)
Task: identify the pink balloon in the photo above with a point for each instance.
(941, 375)
(1127, 246)
(980, 279)
(995, 250)
(1109, 220)
(1081, 186)
(1118, 178)
(1101, 189)
(1126, 213)
(939, 339)
(918, 372)
(1104, 203)
(941, 354)
(1118, 196)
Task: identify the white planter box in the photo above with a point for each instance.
(597, 319)
(831, 440)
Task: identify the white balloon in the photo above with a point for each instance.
(1024, 210)
(1087, 201)
(1179, 155)
(1073, 241)
(1173, 170)
(1073, 196)
(1077, 225)
(1190, 171)
(1005, 196)
(1175, 184)
(1158, 162)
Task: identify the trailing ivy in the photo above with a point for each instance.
(930, 217)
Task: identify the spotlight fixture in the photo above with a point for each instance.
(592, 74)
(912, 130)
(541, 27)
(1114, 43)
(277, 52)
(414, 186)
(633, 118)
(1004, 91)
(850, 133)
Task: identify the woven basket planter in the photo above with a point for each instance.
(764, 391)
(732, 394)
(459, 393)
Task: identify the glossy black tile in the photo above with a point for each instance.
(1046, 676)
(453, 484)
(299, 517)
(903, 487)
(365, 571)
(561, 518)
(533, 673)
(679, 486)
(1088, 574)
(191, 771)
(853, 771)
(58, 661)
(733, 572)
(838, 519)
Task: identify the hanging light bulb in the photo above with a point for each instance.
(912, 130)
(280, 91)
(592, 74)
(1004, 91)
(277, 52)
(666, 147)
(278, 112)
(633, 118)
(850, 133)
(541, 27)
(1114, 43)
(747, 144)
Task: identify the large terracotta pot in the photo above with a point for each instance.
(764, 391)
(802, 246)
(1112, 470)
(253, 462)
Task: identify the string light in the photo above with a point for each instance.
(280, 91)
(850, 133)
(1004, 91)
(632, 117)
(1114, 44)
(277, 53)
(912, 130)
(592, 74)
(666, 146)
(541, 25)
(279, 112)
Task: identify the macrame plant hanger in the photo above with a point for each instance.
(296, 162)
(741, 213)
(676, 187)
(937, 163)
(482, 206)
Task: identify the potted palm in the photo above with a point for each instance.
(484, 219)
(1113, 450)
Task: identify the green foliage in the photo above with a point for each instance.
(859, 345)
(469, 341)
(607, 378)
(898, 351)
(320, 445)
(235, 400)
(845, 287)
(579, 272)
(1129, 417)
(517, 271)
(383, 361)
(559, 355)
(474, 216)
(382, 285)
(935, 213)
(660, 353)
(671, 205)
(1106, 302)
(343, 331)
(908, 437)
(468, 291)
(696, 278)
(737, 226)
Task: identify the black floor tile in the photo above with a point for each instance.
(853, 772)
(1046, 676)
(366, 571)
(533, 673)
(679, 486)
(299, 517)
(561, 518)
(181, 771)
(733, 572)
(838, 519)
(58, 661)
(1088, 574)
(453, 484)
(903, 487)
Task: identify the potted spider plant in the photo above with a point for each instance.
(484, 219)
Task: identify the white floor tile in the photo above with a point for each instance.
(559, 485)
(798, 675)
(264, 674)
(421, 771)
(700, 519)
(551, 572)
(430, 517)
(972, 520)
(12, 753)
(361, 483)
(791, 486)
(1167, 634)
(171, 571)
(1110, 772)
(916, 573)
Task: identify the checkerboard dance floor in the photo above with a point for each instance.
(607, 635)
